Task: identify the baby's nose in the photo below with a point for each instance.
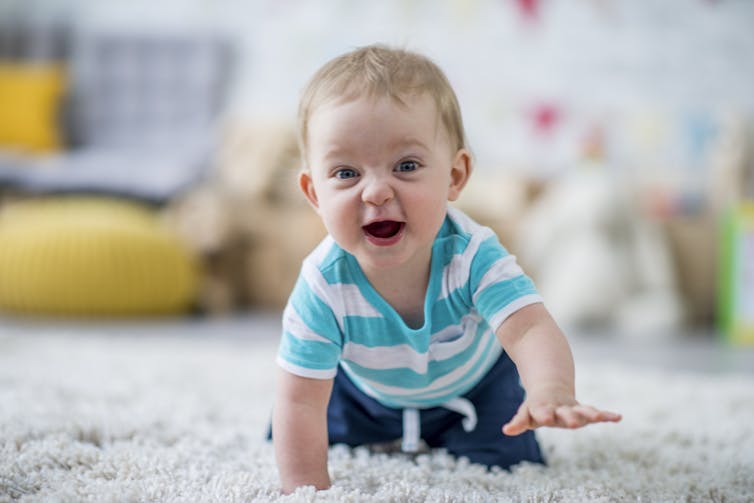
(377, 191)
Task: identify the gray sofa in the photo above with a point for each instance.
(140, 119)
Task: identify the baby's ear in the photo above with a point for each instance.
(306, 184)
(459, 173)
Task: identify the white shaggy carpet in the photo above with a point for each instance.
(123, 418)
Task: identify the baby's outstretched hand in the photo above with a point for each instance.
(556, 412)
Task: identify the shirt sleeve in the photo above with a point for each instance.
(499, 287)
(311, 342)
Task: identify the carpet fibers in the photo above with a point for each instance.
(123, 418)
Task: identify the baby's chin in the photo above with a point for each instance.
(398, 258)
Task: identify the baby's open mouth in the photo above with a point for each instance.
(384, 229)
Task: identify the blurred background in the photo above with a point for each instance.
(148, 153)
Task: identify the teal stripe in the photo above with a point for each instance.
(459, 387)
(309, 354)
(490, 251)
(467, 381)
(451, 309)
(338, 272)
(408, 378)
(395, 328)
(449, 246)
(451, 228)
(456, 389)
(329, 265)
(381, 332)
(313, 311)
(498, 295)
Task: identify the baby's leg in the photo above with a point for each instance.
(354, 418)
(496, 399)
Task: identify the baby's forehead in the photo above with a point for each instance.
(415, 103)
(401, 98)
(418, 101)
(406, 101)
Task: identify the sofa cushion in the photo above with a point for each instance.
(30, 98)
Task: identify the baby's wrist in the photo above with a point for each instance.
(561, 390)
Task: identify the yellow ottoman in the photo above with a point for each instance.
(91, 256)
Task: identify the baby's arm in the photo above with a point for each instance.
(299, 430)
(543, 357)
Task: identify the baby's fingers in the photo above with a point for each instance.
(581, 415)
(569, 417)
(519, 423)
(595, 415)
(528, 418)
(544, 415)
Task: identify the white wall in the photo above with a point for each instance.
(613, 64)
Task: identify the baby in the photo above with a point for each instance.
(409, 321)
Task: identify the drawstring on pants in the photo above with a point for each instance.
(412, 424)
(411, 430)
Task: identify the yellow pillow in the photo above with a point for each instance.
(30, 95)
(92, 256)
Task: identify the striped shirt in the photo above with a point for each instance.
(335, 317)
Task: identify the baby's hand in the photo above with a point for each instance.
(555, 411)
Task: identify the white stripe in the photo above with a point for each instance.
(501, 270)
(296, 327)
(318, 284)
(354, 302)
(344, 299)
(377, 389)
(405, 356)
(443, 351)
(456, 273)
(489, 360)
(448, 333)
(306, 372)
(499, 317)
(463, 221)
(385, 357)
(483, 367)
(318, 255)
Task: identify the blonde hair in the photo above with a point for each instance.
(380, 71)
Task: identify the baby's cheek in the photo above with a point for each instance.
(433, 208)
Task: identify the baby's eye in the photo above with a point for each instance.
(345, 173)
(406, 166)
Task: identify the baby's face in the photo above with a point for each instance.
(380, 175)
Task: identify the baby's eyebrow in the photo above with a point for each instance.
(409, 142)
(335, 151)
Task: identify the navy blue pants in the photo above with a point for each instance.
(354, 418)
